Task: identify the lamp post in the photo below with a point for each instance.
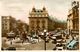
(45, 39)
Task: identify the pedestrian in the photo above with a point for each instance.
(22, 41)
(24, 36)
(2, 48)
(11, 43)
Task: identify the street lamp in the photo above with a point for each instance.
(42, 34)
(47, 33)
(45, 39)
(45, 30)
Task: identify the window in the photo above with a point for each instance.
(5, 24)
(35, 15)
(43, 27)
(32, 21)
(43, 21)
(2, 27)
(70, 46)
(38, 21)
(38, 11)
(39, 15)
(2, 24)
(42, 15)
(5, 27)
(32, 16)
(8, 17)
(46, 15)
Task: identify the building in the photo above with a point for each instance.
(8, 24)
(39, 20)
(73, 16)
(73, 19)
(11, 24)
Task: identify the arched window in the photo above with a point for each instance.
(32, 27)
(42, 15)
(32, 22)
(43, 24)
(38, 21)
(43, 21)
(38, 24)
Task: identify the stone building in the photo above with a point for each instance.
(11, 24)
(73, 18)
(8, 24)
(39, 20)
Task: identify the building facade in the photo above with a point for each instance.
(39, 20)
(8, 24)
(73, 18)
(11, 24)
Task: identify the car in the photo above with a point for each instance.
(58, 45)
(54, 42)
(54, 48)
(33, 42)
(59, 48)
(2, 48)
(64, 44)
(72, 44)
(35, 37)
(53, 38)
(47, 40)
(17, 40)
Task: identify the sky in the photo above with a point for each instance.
(20, 9)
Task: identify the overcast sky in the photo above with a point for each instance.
(20, 8)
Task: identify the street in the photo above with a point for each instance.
(54, 41)
(29, 46)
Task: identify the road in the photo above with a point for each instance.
(29, 46)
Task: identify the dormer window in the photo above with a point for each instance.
(44, 8)
(37, 11)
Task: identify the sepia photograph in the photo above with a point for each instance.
(39, 25)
